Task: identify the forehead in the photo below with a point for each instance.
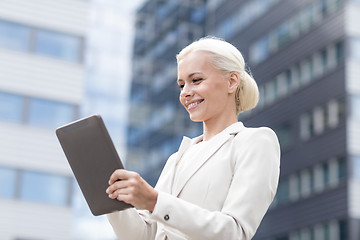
(194, 61)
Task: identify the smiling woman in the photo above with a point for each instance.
(218, 185)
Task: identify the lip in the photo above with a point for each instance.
(193, 104)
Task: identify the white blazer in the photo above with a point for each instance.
(223, 194)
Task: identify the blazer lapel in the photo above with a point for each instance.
(199, 160)
(202, 157)
(184, 145)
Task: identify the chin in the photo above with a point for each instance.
(195, 118)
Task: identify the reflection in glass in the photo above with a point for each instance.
(45, 113)
(46, 188)
(356, 168)
(11, 107)
(7, 182)
(58, 45)
(14, 36)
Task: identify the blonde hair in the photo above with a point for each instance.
(227, 58)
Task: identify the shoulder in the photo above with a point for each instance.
(256, 140)
(254, 145)
(256, 134)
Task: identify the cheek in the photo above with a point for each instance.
(181, 100)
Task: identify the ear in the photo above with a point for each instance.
(234, 82)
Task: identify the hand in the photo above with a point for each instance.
(131, 188)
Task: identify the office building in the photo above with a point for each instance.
(157, 122)
(41, 87)
(305, 57)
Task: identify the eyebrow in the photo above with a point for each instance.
(190, 75)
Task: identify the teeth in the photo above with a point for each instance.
(193, 104)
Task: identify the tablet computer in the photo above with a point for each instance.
(93, 158)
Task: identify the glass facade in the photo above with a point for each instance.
(35, 111)
(291, 29)
(45, 188)
(356, 168)
(241, 18)
(58, 45)
(300, 74)
(34, 186)
(14, 36)
(7, 182)
(46, 113)
(11, 107)
(311, 181)
(30, 39)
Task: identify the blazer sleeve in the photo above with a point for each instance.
(135, 224)
(254, 184)
(132, 224)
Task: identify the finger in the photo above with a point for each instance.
(125, 198)
(117, 174)
(117, 185)
(119, 193)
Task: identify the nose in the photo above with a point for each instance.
(187, 91)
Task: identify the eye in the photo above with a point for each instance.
(196, 80)
(181, 86)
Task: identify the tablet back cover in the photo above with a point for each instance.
(93, 158)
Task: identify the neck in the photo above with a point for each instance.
(215, 126)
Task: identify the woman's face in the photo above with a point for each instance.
(204, 89)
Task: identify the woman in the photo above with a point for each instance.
(218, 185)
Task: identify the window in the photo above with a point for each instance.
(58, 45)
(259, 51)
(333, 172)
(14, 36)
(319, 120)
(242, 17)
(307, 71)
(198, 14)
(324, 59)
(356, 167)
(339, 49)
(7, 182)
(47, 113)
(333, 113)
(306, 126)
(283, 34)
(296, 75)
(291, 29)
(355, 106)
(282, 195)
(355, 48)
(271, 92)
(226, 28)
(284, 133)
(295, 186)
(55, 44)
(307, 234)
(11, 107)
(46, 188)
(319, 184)
(306, 185)
(324, 8)
(342, 168)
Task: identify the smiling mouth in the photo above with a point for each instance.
(194, 104)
